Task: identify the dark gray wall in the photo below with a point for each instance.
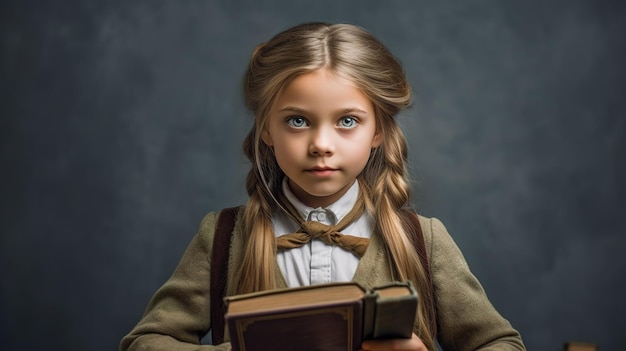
(121, 125)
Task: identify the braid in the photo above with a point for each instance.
(258, 263)
(390, 194)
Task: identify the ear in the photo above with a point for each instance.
(267, 139)
(378, 138)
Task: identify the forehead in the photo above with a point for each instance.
(322, 89)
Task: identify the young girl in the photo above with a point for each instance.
(325, 147)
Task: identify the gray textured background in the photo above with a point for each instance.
(121, 125)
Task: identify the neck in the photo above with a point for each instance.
(316, 201)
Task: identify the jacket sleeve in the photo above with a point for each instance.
(178, 315)
(466, 320)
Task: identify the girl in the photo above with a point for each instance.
(325, 147)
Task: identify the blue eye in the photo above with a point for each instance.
(347, 122)
(297, 122)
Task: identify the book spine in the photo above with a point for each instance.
(395, 317)
(369, 314)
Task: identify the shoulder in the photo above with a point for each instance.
(436, 235)
(431, 226)
(212, 221)
(208, 222)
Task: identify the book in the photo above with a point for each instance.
(336, 316)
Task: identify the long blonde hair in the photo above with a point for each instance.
(353, 53)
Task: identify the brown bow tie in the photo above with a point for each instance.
(328, 234)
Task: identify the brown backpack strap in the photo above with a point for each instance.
(412, 224)
(219, 270)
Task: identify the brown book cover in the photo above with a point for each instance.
(337, 316)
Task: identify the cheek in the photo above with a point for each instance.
(363, 159)
(289, 145)
(284, 154)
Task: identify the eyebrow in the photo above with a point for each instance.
(344, 111)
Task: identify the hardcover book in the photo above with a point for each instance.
(337, 316)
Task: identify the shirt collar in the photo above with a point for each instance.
(339, 208)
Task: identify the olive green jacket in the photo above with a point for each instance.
(178, 316)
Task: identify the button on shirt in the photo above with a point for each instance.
(317, 262)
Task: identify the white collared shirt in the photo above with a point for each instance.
(317, 262)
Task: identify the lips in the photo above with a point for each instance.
(322, 168)
(322, 171)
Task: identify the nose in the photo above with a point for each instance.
(321, 143)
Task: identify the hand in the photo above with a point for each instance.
(412, 344)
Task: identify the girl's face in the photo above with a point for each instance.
(322, 130)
